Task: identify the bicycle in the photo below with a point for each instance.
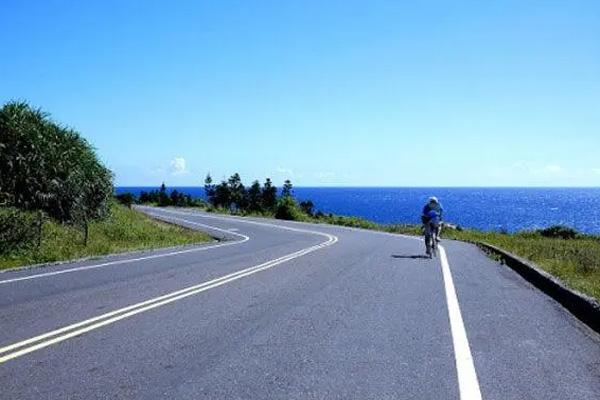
(431, 239)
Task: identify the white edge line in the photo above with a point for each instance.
(467, 376)
(465, 368)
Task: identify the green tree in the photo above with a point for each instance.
(286, 191)
(163, 197)
(288, 209)
(307, 207)
(127, 198)
(48, 167)
(254, 198)
(269, 195)
(209, 189)
(237, 191)
(222, 195)
(176, 199)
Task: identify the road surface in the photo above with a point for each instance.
(288, 310)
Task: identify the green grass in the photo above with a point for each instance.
(123, 230)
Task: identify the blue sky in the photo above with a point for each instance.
(336, 93)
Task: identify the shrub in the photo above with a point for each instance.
(127, 199)
(46, 166)
(559, 232)
(307, 207)
(287, 208)
(18, 230)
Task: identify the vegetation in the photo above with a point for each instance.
(122, 230)
(234, 196)
(55, 196)
(18, 230)
(45, 166)
(160, 198)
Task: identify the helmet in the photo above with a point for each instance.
(433, 199)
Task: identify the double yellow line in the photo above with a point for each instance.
(23, 347)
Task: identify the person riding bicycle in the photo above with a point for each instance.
(432, 216)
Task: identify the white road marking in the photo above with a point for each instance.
(465, 368)
(244, 238)
(467, 377)
(67, 332)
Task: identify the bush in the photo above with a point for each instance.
(18, 230)
(127, 199)
(46, 166)
(307, 207)
(287, 208)
(559, 232)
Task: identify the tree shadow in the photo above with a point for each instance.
(411, 256)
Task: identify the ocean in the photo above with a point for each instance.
(508, 209)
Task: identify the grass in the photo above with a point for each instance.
(123, 230)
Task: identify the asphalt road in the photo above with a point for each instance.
(292, 311)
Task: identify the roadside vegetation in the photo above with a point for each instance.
(567, 254)
(56, 196)
(121, 230)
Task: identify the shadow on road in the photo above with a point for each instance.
(413, 256)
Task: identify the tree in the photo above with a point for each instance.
(307, 207)
(163, 197)
(254, 198)
(209, 189)
(288, 209)
(269, 195)
(127, 198)
(237, 191)
(176, 199)
(286, 191)
(222, 195)
(44, 166)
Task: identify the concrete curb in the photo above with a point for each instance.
(585, 308)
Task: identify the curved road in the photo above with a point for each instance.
(288, 310)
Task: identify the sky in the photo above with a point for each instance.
(325, 93)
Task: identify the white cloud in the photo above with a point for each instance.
(596, 171)
(178, 166)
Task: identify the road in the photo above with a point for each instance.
(288, 310)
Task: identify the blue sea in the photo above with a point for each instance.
(509, 209)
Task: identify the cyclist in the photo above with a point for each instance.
(433, 204)
(432, 222)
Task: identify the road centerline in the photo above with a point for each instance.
(56, 336)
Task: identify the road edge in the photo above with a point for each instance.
(583, 307)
